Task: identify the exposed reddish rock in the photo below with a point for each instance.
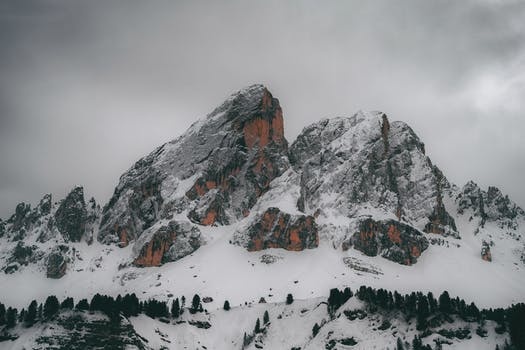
(261, 134)
(276, 229)
(167, 243)
(152, 253)
(440, 221)
(123, 237)
(485, 252)
(392, 239)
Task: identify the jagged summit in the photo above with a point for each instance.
(212, 174)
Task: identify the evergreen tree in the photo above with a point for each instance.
(10, 317)
(82, 305)
(2, 314)
(67, 304)
(226, 305)
(266, 318)
(182, 304)
(40, 311)
(444, 303)
(289, 299)
(31, 313)
(195, 304)
(22, 316)
(175, 308)
(129, 305)
(432, 303)
(400, 345)
(417, 344)
(516, 319)
(257, 326)
(315, 330)
(51, 306)
(422, 313)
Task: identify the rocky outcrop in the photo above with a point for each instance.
(490, 205)
(70, 217)
(440, 221)
(276, 229)
(391, 239)
(485, 252)
(22, 255)
(167, 243)
(349, 165)
(56, 263)
(215, 172)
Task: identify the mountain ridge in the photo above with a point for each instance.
(358, 192)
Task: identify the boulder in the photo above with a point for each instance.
(56, 264)
(70, 217)
(391, 239)
(277, 229)
(166, 243)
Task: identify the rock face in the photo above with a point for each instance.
(213, 173)
(71, 215)
(488, 206)
(347, 164)
(169, 242)
(391, 239)
(276, 229)
(39, 231)
(485, 252)
(56, 265)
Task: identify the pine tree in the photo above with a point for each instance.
(289, 299)
(266, 318)
(226, 305)
(444, 303)
(51, 306)
(422, 313)
(315, 330)
(40, 311)
(22, 316)
(82, 305)
(257, 326)
(2, 314)
(31, 313)
(182, 304)
(10, 317)
(195, 304)
(417, 344)
(400, 344)
(175, 308)
(67, 304)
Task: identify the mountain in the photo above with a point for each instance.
(352, 201)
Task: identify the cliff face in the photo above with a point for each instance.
(277, 229)
(350, 164)
(391, 239)
(212, 175)
(166, 243)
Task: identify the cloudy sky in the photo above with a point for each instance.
(88, 87)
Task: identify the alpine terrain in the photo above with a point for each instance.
(230, 237)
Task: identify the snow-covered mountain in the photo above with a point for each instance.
(229, 211)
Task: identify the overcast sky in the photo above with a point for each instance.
(88, 87)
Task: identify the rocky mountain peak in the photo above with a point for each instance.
(211, 175)
(350, 163)
(70, 217)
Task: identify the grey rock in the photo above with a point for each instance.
(70, 217)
